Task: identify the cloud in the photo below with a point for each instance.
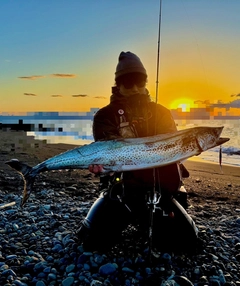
(66, 75)
(60, 75)
(79, 95)
(235, 103)
(202, 101)
(220, 104)
(237, 95)
(30, 94)
(56, 95)
(31, 77)
(100, 97)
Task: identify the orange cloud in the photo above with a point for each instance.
(30, 94)
(31, 77)
(100, 97)
(79, 95)
(237, 95)
(63, 75)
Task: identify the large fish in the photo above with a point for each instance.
(126, 154)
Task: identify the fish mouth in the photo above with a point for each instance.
(221, 141)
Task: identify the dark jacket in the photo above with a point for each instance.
(137, 116)
(147, 117)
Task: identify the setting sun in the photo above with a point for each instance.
(185, 104)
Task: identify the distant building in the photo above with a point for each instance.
(209, 112)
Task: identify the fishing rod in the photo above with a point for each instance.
(154, 198)
(158, 50)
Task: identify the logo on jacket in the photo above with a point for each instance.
(120, 111)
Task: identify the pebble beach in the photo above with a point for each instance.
(38, 244)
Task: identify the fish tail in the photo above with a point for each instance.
(27, 174)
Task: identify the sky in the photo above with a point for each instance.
(61, 55)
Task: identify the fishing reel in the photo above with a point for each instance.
(154, 201)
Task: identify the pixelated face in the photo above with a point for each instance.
(131, 91)
(131, 84)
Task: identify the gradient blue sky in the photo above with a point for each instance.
(61, 55)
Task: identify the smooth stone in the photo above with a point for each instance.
(99, 259)
(169, 283)
(31, 252)
(95, 283)
(15, 226)
(19, 283)
(87, 266)
(70, 268)
(57, 247)
(68, 281)
(41, 275)
(47, 269)
(54, 270)
(52, 276)
(107, 269)
(9, 272)
(167, 256)
(139, 276)
(148, 270)
(50, 258)
(40, 266)
(84, 257)
(11, 257)
(127, 270)
(4, 267)
(40, 283)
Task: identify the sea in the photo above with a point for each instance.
(76, 128)
(230, 150)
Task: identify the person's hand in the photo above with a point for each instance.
(95, 169)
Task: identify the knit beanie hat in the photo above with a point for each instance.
(129, 63)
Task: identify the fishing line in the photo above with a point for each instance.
(154, 197)
(204, 70)
(157, 81)
(158, 50)
(196, 42)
